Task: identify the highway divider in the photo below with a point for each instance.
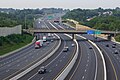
(18, 49)
(38, 63)
(103, 60)
(70, 65)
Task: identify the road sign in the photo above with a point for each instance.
(97, 32)
(50, 17)
(90, 32)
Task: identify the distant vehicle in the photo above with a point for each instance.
(44, 38)
(49, 35)
(53, 37)
(113, 46)
(65, 49)
(51, 40)
(114, 43)
(47, 42)
(42, 70)
(107, 45)
(73, 45)
(116, 52)
(38, 44)
(90, 47)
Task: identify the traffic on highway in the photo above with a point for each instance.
(60, 56)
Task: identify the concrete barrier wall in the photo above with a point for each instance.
(5, 31)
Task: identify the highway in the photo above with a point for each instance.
(112, 60)
(19, 61)
(56, 63)
(89, 65)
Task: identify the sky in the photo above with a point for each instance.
(66, 4)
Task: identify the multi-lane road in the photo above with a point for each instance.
(90, 64)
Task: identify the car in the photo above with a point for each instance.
(116, 52)
(51, 40)
(113, 46)
(114, 43)
(65, 49)
(42, 70)
(90, 47)
(107, 45)
(47, 42)
(73, 45)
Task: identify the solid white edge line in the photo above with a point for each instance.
(71, 64)
(37, 64)
(103, 60)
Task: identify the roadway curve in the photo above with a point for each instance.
(21, 60)
(89, 65)
(54, 64)
(112, 60)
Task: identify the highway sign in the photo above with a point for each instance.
(90, 31)
(97, 32)
(50, 17)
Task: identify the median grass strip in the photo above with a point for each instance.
(14, 42)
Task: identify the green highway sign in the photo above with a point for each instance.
(97, 32)
(50, 17)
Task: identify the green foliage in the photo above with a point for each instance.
(117, 38)
(12, 42)
(102, 19)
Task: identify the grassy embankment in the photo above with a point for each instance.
(13, 42)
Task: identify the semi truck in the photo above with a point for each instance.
(38, 44)
(44, 38)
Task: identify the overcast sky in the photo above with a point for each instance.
(70, 4)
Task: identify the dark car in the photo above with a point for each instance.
(65, 49)
(114, 43)
(116, 52)
(42, 70)
(113, 46)
(107, 45)
(90, 47)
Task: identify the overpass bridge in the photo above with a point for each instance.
(110, 33)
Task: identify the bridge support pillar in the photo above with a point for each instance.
(73, 36)
(109, 37)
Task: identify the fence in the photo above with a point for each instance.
(4, 31)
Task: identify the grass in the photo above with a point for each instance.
(117, 38)
(6, 48)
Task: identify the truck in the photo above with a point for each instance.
(44, 38)
(49, 34)
(38, 44)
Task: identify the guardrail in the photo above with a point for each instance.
(37, 64)
(69, 67)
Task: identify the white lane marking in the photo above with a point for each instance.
(32, 76)
(56, 65)
(60, 60)
(87, 65)
(87, 60)
(50, 70)
(53, 25)
(83, 77)
(85, 70)
(18, 65)
(32, 56)
(57, 55)
(42, 78)
(7, 70)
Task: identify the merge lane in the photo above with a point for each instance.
(112, 63)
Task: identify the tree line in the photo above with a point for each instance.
(102, 19)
